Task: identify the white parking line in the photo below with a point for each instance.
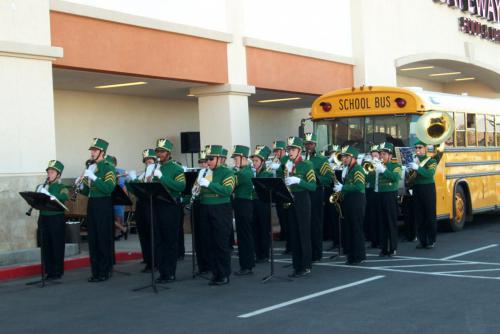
(466, 271)
(468, 252)
(425, 265)
(314, 295)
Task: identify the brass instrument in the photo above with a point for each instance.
(28, 213)
(79, 181)
(433, 128)
(286, 173)
(336, 197)
(368, 166)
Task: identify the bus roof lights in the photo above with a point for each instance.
(401, 103)
(326, 106)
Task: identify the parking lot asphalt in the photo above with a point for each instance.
(452, 288)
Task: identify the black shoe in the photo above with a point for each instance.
(243, 272)
(420, 246)
(203, 272)
(431, 246)
(286, 252)
(383, 253)
(293, 274)
(264, 260)
(316, 260)
(95, 279)
(354, 263)
(146, 269)
(391, 253)
(303, 273)
(220, 281)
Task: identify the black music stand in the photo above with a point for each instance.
(149, 192)
(119, 197)
(41, 201)
(268, 188)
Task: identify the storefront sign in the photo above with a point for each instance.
(488, 10)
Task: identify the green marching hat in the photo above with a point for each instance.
(419, 142)
(310, 138)
(110, 159)
(148, 153)
(350, 150)
(332, 148)
(202, 156)
(262, 151)
(55, 165)
(224, 153)
(99, 144)
(240, 150)
(164, 144)
(279, 145)
(213, 151)
(386, 147)
(374, 148)
(296, 142)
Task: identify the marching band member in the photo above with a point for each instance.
(300, 178)
(52, 223)
(324, 176)
(353, 206)
(201, 239)
(371, 216)
(331, 216)
(261, 209)
(216, 215)
(166, 215)
(243, 209)
(424, 197)
(388, 174)
(279, 150)
(98, 184)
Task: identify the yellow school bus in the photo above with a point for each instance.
(468, 174)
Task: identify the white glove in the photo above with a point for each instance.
(45, 191)
(204, 182)
(292, 180)
(338, 187)
(90, 174)
(132, 175)
(92, 168)
(413, 165)
(379, 168)
(275, 165)
(289, 165)
(52, 198)
(158, 173)
(184, 168)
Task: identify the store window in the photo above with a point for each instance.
(471, 130)
(460, 128)
(490, 130)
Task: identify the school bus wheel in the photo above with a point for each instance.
(459, 209)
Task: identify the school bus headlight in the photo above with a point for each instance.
(326, 106)
(401, 103)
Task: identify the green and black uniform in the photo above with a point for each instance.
(52, 227)
(261, 220)
(217, 219)
(100, 219)
(166, 219)
(243, 216)
(299, 214)
(324, 176)
(387, 190)
(424, 201)
(353, 210)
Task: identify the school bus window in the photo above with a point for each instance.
(460, 128)
(471, 130)
(451, 140)
(490, 130)
(481, 130)
(497, 129)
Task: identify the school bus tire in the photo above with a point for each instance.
(459, 209)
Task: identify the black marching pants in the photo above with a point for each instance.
(283, 220)
(424, 200)
(317, 207)
(52, 231)
(410, 230)
(143, 223)
(353, 209)
(372, 215)
(200, 238)
(330, 220)
(100, 223)
(299, 222)
(262, 226)
(243, 215)
(166, 227)
(388, 216)
(181, 249)
(216, 222)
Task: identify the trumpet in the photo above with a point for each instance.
(336, 159)
(28, 213)
(79, 181)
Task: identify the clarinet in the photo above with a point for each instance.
(78, 183)
(28, 213)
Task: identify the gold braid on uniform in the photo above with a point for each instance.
(110, 176)
(325, 169)
(359, 177)
(310, 176)
(432, 166)
(180, 178)
(229, 181)
(397, 170)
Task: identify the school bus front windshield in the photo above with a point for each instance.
(365, 131)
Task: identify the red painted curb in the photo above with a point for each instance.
(69, 264)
